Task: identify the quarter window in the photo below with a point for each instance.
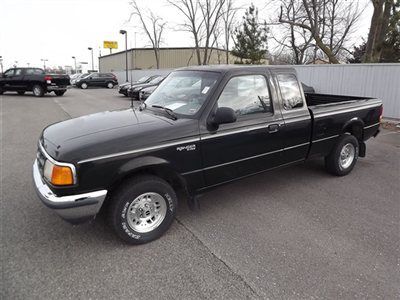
(246, 95)
(290, 91)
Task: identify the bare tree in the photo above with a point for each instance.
(295, 41)
(202, 19)
(194, 22)
(152, 25)
(329, 22)
(228, 20)
(378, 29)
(211, 12)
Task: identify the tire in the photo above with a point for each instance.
(1, 91)
(84, 85)
(21, 93)
(343, 156)
(59, 93)
(141, 195)
(38, 90)
(110, 85)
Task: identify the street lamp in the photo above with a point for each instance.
(44, 63)
(74, 58)
(91, 49)
(126, 52)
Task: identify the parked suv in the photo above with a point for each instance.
(97, 79)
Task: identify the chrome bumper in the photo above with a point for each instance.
(74, 208)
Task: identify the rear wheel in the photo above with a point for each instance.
(343, 156)
(38, 90)
(142, 209)
(110, 85)
(84, 86)
(59, 93)
(21, 92)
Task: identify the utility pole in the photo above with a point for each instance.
(91, 49)
(126, 52)
(74, 58)
(44, 63)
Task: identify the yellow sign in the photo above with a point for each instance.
(110, 44)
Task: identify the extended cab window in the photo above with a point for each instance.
(290, 91)
(34, 72)
(247, 94)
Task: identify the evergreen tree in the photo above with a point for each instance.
(250, 38)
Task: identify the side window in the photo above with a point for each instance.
(247, 94)
(94, 75)
(9, 73)
(290, 91)
(18, 72)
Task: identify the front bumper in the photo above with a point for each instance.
(74, 208)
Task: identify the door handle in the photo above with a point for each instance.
(273, 128)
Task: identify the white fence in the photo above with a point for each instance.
(370, 80)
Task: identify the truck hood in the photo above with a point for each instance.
(111, 132)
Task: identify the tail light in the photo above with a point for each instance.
(48, 79)
(380, 113)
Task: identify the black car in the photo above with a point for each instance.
(34, 80)
(146, 92)
(108, 80)
(225, 123)
(123, 88)
(134, 91)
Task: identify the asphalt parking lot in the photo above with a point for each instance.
(295, 233)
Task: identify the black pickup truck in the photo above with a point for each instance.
(226, 123)
(34, 80)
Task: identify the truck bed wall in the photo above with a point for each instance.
(318, 99)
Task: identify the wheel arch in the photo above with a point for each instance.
(355, 126)
(148, 165)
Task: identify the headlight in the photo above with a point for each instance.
(58, 175)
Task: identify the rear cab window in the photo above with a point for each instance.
(290, 91)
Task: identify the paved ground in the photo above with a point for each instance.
(296, 233)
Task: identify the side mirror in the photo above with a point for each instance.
(223, 115)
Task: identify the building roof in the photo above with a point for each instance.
(161, 49)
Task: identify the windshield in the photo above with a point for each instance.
(157, 79)
(183, 92)
(143, 79)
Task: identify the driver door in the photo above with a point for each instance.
(251, 144)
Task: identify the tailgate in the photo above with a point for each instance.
(59, 80)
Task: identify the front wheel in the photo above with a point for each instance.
(142, 209)
(59, 93)
(343, 156)
(21, 93)
(38, 90)
(84, 86)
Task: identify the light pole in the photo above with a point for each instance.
(74, 58)
(44, 63)
(1, 63)
(91, 49)
(126, 52)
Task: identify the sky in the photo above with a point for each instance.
(56, 30)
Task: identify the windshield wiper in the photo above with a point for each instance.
(169, 111)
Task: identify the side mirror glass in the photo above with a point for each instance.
(223, 115)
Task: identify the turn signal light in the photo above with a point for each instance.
(62, 176)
